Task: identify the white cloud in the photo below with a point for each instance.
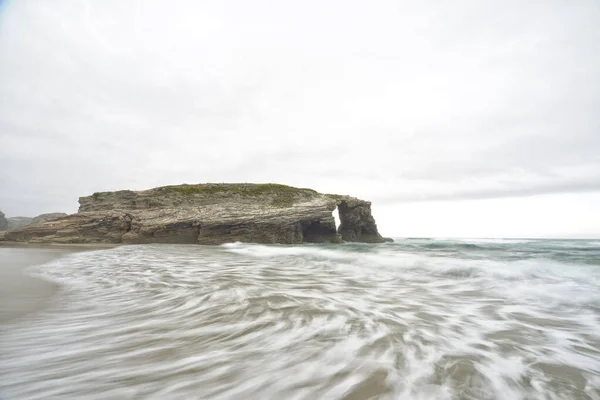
(393, 101)
(543, 216)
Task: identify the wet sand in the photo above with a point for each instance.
(19, 293)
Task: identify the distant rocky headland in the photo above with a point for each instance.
(10, 223)
(208, 214)
(17, 222)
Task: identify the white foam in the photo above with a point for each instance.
(319, 320)
(495, 240)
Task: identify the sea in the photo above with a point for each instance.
(415, 319)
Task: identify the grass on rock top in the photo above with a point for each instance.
(283, 195)
(280, 196)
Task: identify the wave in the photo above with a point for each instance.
(385, 321)
(508, 265)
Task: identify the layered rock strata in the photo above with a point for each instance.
(17, 222)
(209, 214)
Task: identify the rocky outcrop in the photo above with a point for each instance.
(357, 223)
(75, 228)
(17, 222)
(3, 222)
(209, 214)
(47, 217)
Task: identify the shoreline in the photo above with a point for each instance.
(73, 246)
(21, 294)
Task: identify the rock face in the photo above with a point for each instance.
(209, 214)
(356, 222)
(47, 217)
(3, 222)
(17, 222)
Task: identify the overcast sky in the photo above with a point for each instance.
(463, 118)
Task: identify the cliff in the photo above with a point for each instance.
(209, 214)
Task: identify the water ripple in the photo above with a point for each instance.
(410, 320)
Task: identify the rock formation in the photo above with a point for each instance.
(356, 222)
(47, 217)
(3, 222)
(17, 222)
(209, 214)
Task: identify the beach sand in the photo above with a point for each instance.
(21, 294)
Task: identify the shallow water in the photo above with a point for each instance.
(416, 319)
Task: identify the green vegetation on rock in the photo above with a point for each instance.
(246, 189)
(282, 201)
(336, 197)
(282, 195)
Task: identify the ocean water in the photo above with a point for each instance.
(415, 319)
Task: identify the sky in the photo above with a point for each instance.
(456, 119)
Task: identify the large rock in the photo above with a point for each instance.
(3, 222)
(17, 222)
(47, 217)
(357, 223)
(209, 214)
(92, 227)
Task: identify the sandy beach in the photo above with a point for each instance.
(19, 293)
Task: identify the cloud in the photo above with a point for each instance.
(394, 102)
(477, 192)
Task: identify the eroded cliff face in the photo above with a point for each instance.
(209, 214)
(106, 227)
(357, 223)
